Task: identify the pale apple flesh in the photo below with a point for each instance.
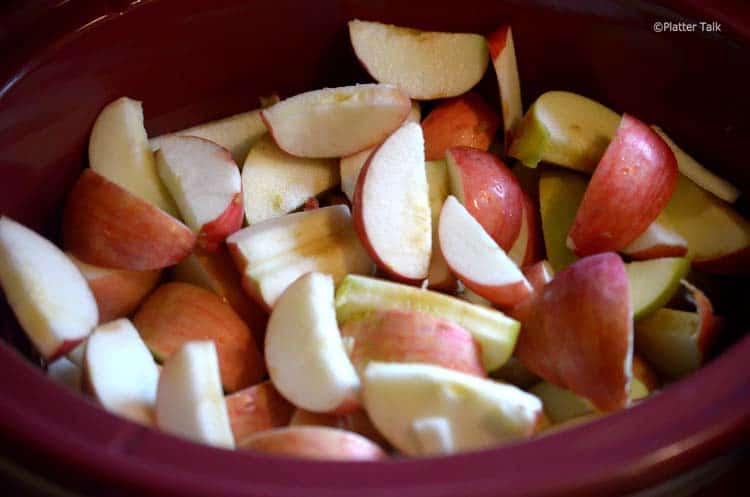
(560, 195)
(654, 282)
(315, 442)
(255, 409)
(439, 276)
(659, 240)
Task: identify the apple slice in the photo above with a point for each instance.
(306, 358)
(177, 313)
(119, 151)
(527, 249)
(465, 121)
(410, 336)
(392, 207)
(560, 195)
(489, 190)
(257, 408)
(120, 372)
(428, 410)
(659, 240)
(235, 133)
(189, 401)
(701, 176)
(653, 283)
(515, 373)
(205, 183)
(718, 238)
(578, 331)
(358, 422)
(274, 253)
(427, 64)
(275, 183)
(645, 374)
(105, 225)
(477, 260)
(66, 373)
(117, 291)
(439, 276)
(565, 129)
(503, 53)
(315, 442)
(48, 294)
(495, 332)
(630, 187)
(335, 122)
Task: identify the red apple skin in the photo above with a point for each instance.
(577, 332)
(539, 274)
(490, 192)
(658, 251)
(535, 242)
(213, 233)
(119, 294)
(257, 408)
(496, 42)
(357, 421)
(505, 296)
(411, 336)
(644, 372)
(461, 121)
(734, 263)
(65, 347)
(105, 225)
(632, 183)
(315, 442)
(711, 324)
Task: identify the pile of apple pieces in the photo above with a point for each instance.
(359, 364)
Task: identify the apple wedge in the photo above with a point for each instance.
(410, 336)
(304, 351)
(465, 121)
(654, 282)
(439, 276)
(503, 53)
(272, 254)
(477, 260)
(528, 247)
(489, 190)
(427, 410)
(45, 290)
(315, 442)
(645, 374)
(427, 64)
(630, 187)
(117, 291)
(119, 151)
(578, 331)
(105, 225)
(177, 313)
(560, 195)
(235, 133)
(701, 176)
(275, 183)
(189, 400)
(392, 206)
(358, 422)
(565, 129)
(205, 183)
(120, 372)
(659, 240)
(257, 408)
(335, 122)
(495, 332)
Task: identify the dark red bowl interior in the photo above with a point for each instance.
(192, 61)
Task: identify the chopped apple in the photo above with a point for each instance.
(645, 373)
(515, 373)
(306, 358)
(66, 373)
(698, 174)
(410, 336)
(117, 291)
(565, 129)
(357, 421)
(428, 410)
(465, 121)
(439, 276)
(495, 332)
(489, 191)
(527, 248)
(503, 53)
(274, 253)
(351, 165)
(560, 195)
(659, 240)
(235, 133)
(578, 331)
(427, 64)
(189, 401)
(335, 122)
(205, 183)
(315, 442)
(477, 260)
(120, 372)
(275, 183)
(630, 187)
(654, 282)
(119, 151)
(105, 225)
(392, 207)
(257, 408)
(177, 313)
(45, 290)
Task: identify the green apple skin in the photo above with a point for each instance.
(654, 282)
(668, 339)
(560, 194)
